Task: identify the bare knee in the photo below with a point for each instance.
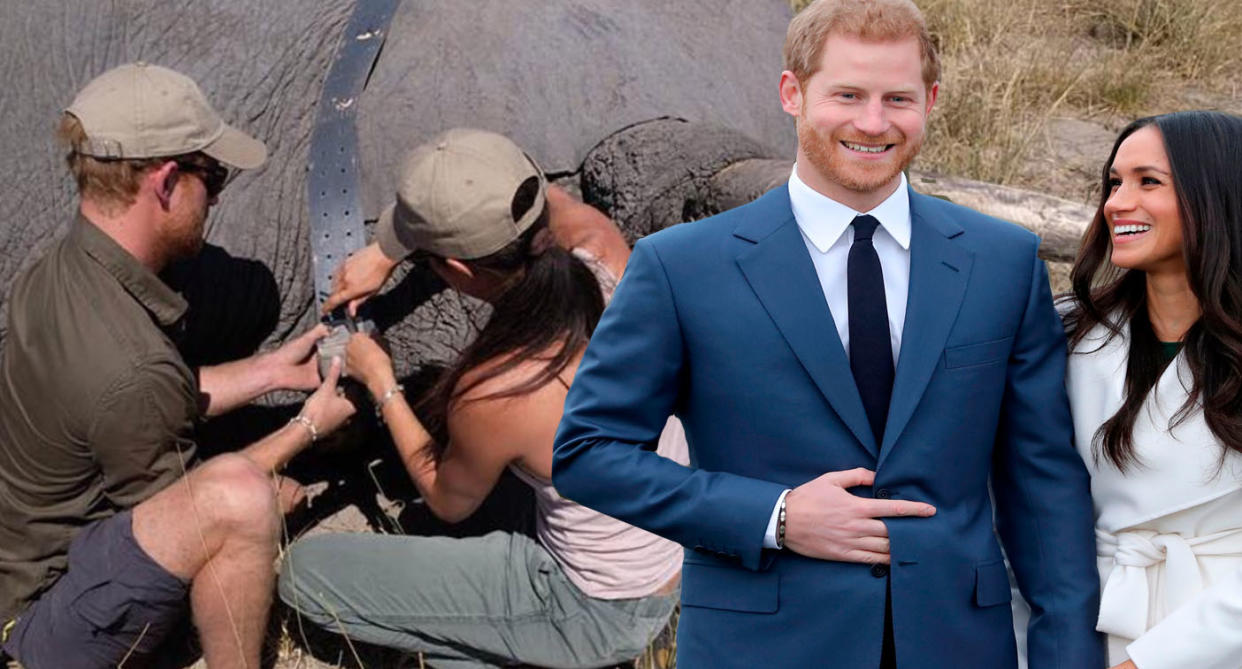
(227, 503)
(237, 496)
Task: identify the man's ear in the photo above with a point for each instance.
(932, 94)
(162, 181)
(791, 94)
(459, 267)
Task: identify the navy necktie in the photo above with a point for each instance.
(871, 353)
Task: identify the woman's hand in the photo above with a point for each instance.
(1128, 664)
(369, 364)
(358, 278)
(327, 408)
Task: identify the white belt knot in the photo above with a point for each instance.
(1125, 602)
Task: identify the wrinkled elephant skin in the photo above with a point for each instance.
(559, 77)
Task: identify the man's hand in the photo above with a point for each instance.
(824, 521)
(227, 386)
(293, 365)
(369, 364)
(1128, 664)
(328, 408)
(358, 278)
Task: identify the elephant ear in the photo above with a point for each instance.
(660, 173)
(559, 76)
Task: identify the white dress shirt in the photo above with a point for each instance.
(826, 229)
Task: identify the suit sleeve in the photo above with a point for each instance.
(1044, 511)
(628, 383)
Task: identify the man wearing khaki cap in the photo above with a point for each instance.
(110, 530)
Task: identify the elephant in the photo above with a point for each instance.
(655, 112)
(601, 94)
(568, 76)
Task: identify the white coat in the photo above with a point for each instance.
(1169, 529)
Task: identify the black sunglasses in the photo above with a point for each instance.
(214, 175)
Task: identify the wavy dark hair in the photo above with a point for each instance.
(548, 308)
(1203, 149)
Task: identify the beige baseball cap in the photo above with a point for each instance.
(147, 111)
(455, 197)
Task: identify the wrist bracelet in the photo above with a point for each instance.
(780, 526)
(308, 424)
(385, 398)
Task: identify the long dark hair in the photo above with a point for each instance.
(1203, 149)
(550, 304)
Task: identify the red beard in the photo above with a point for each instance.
(831, 160)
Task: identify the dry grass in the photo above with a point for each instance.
(1011, 66)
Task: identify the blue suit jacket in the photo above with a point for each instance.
(723, 323)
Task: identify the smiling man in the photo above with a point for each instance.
(853, 362)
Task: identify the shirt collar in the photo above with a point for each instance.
(823, 220)
(153, 294)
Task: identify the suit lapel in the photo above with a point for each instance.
(779, 270)
(939, 270)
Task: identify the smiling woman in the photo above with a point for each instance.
(1142, 207)
(1158, 294)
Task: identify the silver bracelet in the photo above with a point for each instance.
(780, 526)
(385, 398)
(308, 424)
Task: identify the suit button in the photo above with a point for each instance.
(883, 493)
(879, 570)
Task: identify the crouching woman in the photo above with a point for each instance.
(588, 590)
